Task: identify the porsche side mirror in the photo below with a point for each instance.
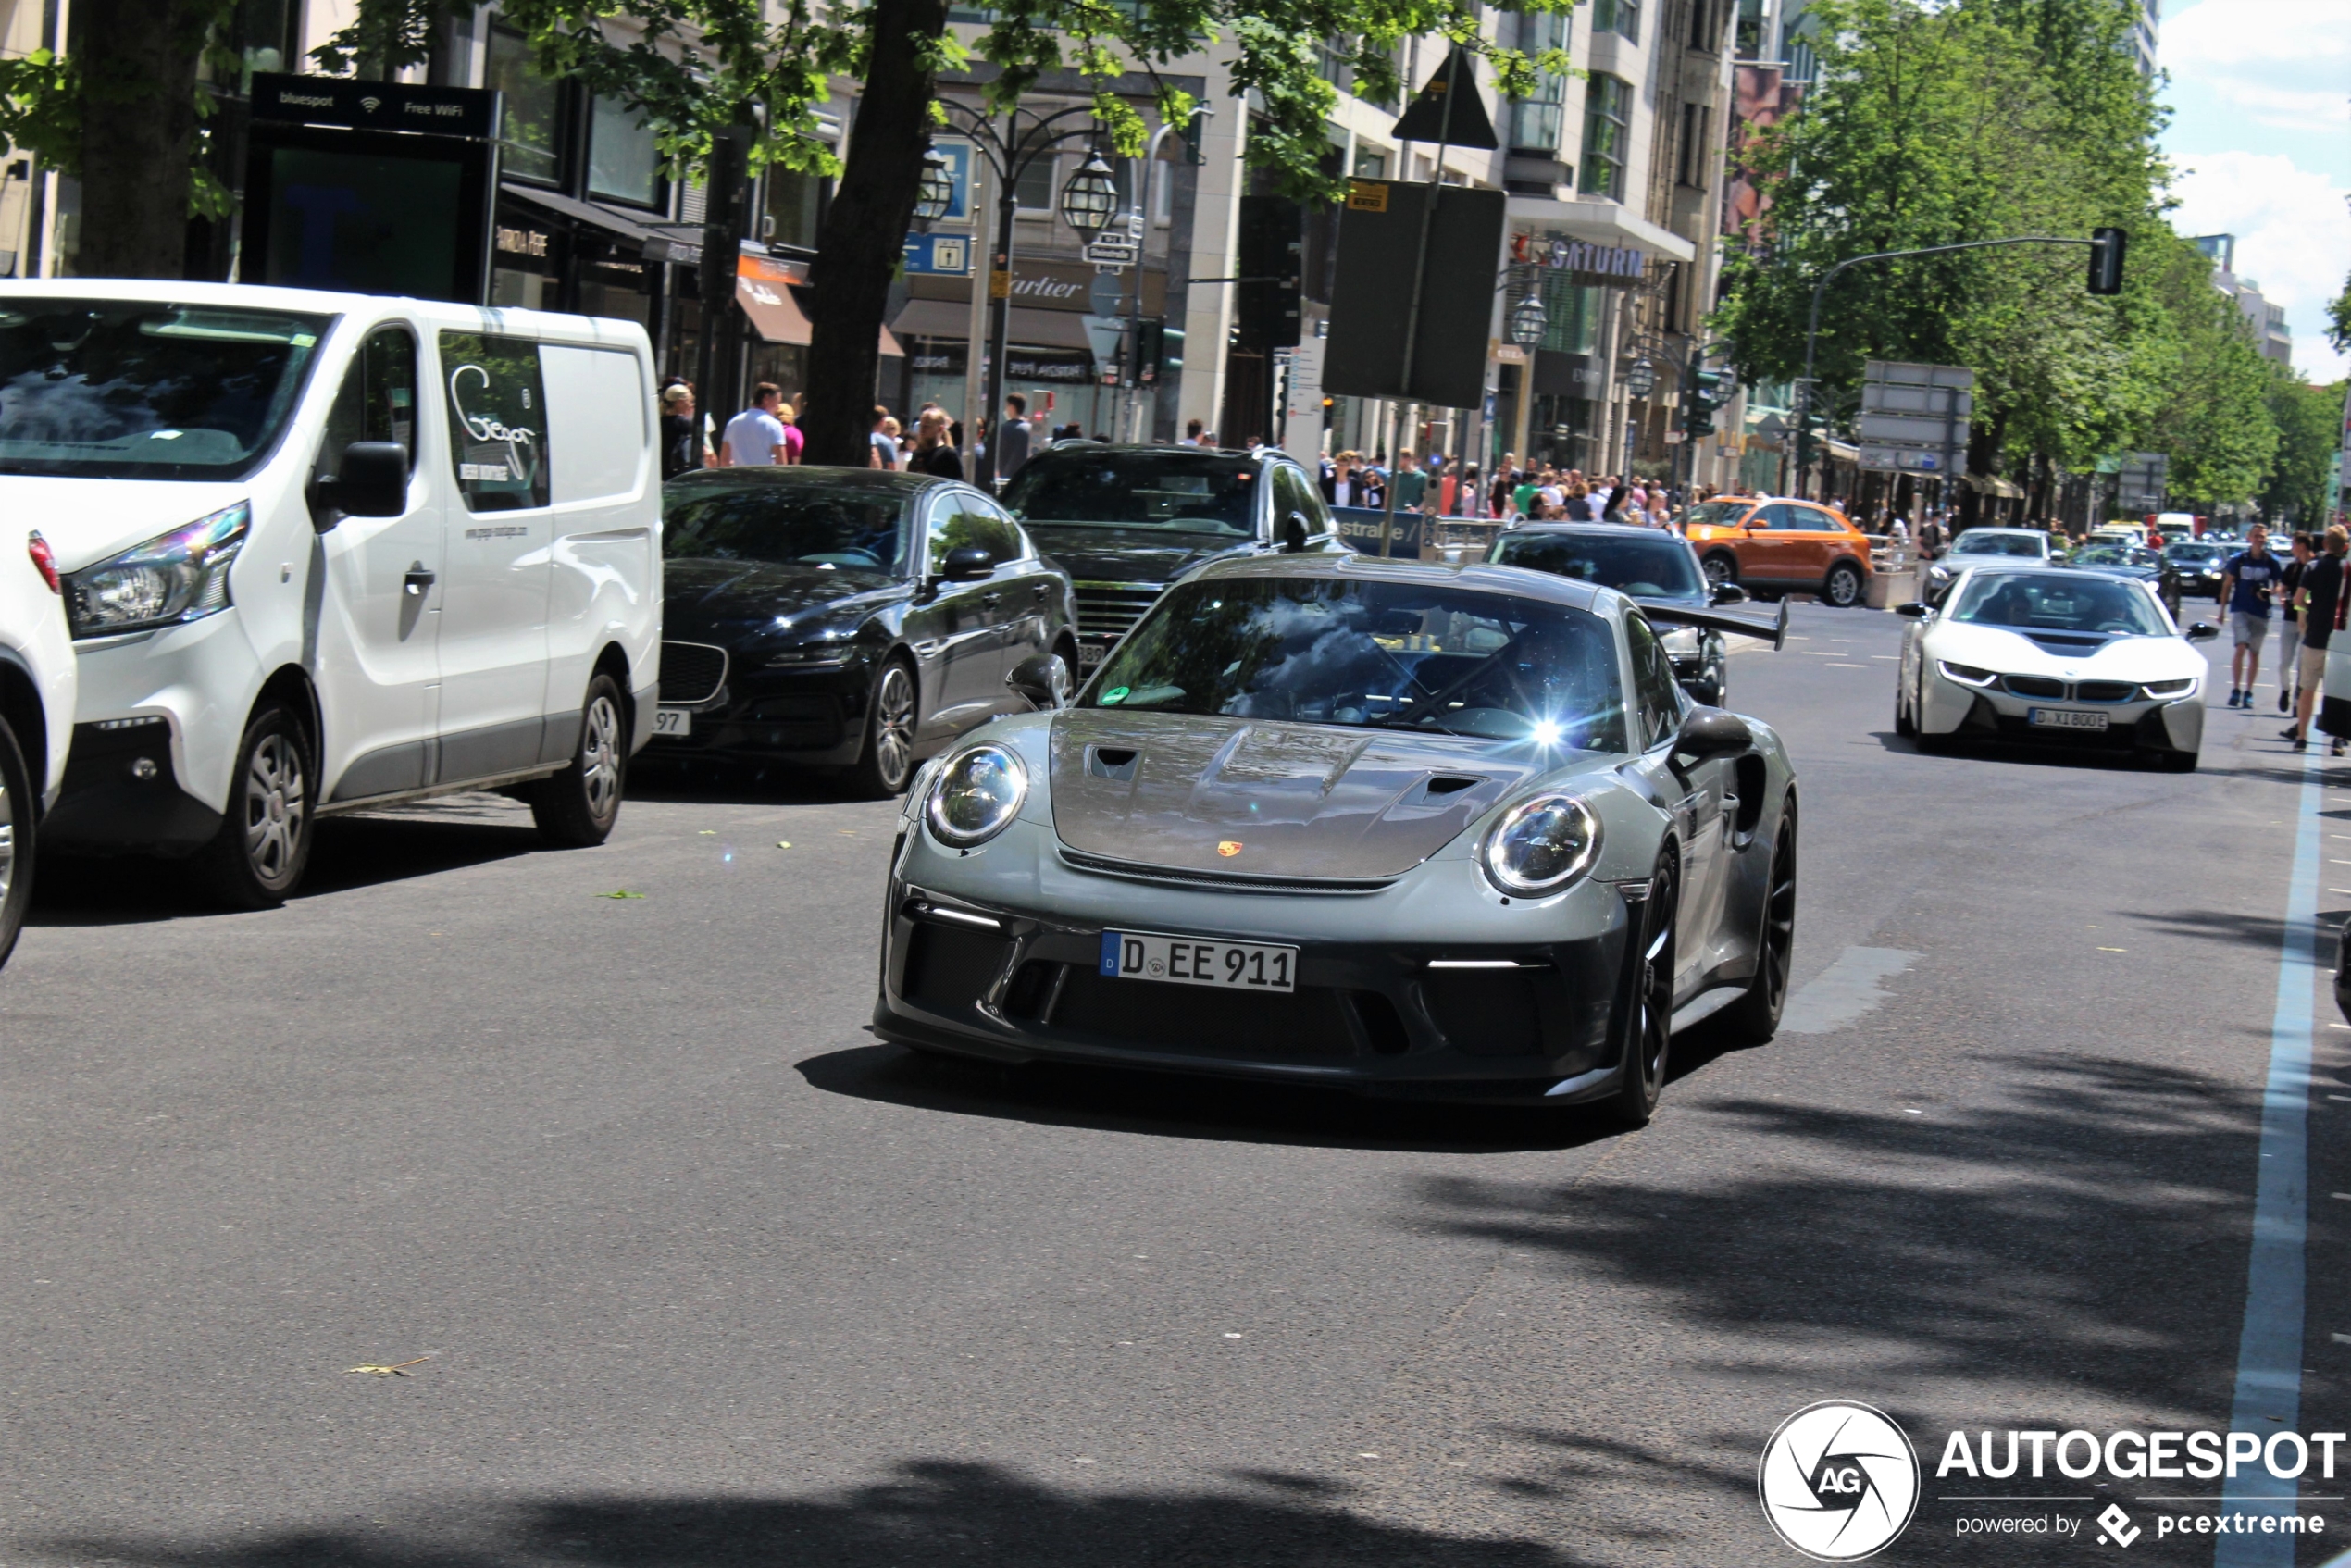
(2202, 631)
(967, 563)
(1915, 610)
(370, 482)
(1713, 732)
(1293, 532)
(1041, 680)
(1727, 593)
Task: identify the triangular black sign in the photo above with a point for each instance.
(1424, 118)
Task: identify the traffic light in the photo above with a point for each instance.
(1149, 339)
(1272, 237)
(1195, 130)
(1708, 390)
(2106, 261)
(1170, 362)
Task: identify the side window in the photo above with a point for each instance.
(1655, 696)
(1784, 518)
(994, 527)
(1818, 521)
(1292, 494)
(378, 400)
(497, 420)
(957, 521)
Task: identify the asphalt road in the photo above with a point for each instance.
(709, 1277)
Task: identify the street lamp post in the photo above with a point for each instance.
(1010, 153)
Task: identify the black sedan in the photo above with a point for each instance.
(2133, 561)
(1644, 563)
(848, 618)
(2200, 566)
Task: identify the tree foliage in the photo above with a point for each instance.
(2295, 487)
(1940, 124)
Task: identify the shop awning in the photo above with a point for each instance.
(778, 314)
(618, 225)
(1604, 223)
(1992, 484)
(1030, 328)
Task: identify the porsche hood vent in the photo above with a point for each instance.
(1263, 798)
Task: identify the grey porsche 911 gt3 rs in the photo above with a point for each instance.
(1446, 832)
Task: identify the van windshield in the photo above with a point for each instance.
(137, 389)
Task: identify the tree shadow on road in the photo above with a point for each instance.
(2087, 1230)
(935, 1513)
(708, 782)
(1175, 1105)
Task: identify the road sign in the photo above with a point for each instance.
(1927, 462)
(1914, 417)
(1119, 244)
(937, 254)
(2142, 478)
(1104, 334)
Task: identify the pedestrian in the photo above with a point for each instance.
(2322, 602)
(897, 434)
(1192, 434)
(756, 437)
(2246, 583)
(881, 452)
(1410, 484)
(681, 451)
(1012, 438)
(2303, 550)
(935, 449)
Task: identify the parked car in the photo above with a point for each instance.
(2199, 565)
(1450, 833)
(2133, 561)
(1770, 546)
(1126, 522)
(37, 686)
(1646, 564)
(2053, 655)
(847, 618)
(324, 551)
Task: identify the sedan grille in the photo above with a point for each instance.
(2034, 686)
(691, 672)
(2083, 691)
(2106, 691)
(1113, 608)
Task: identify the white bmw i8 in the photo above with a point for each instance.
(2053, 655)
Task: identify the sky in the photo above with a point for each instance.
(2260, 147)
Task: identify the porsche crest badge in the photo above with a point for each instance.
(1228, 848)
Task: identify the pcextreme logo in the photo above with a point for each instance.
(1838, 1480)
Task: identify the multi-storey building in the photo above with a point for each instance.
(2264, 321)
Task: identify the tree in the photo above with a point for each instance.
(2295, 487)
(2214, 422)
(120, 115)
(2339, 320)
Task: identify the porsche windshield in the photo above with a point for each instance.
(845, 527)
(2058, 601)
(141, 389)
(1182, 492)
(1656, 565)
(1377, 655)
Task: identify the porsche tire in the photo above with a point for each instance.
(1648, 1031)
(1753, 1018)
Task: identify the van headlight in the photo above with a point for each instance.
(976, 796)
(1539, 846)
(182, 576)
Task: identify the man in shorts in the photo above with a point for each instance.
(2321, 600)
(2305, 550)
(2246, 583)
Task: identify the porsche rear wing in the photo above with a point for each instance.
(1773, 631)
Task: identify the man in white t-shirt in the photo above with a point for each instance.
(755, 437)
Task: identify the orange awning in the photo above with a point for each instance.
(774, 315)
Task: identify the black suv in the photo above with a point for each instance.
(1126, 522)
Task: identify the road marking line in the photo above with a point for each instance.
(2269, 1382)
(1845, 667)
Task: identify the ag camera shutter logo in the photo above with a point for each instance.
(1838, 1480)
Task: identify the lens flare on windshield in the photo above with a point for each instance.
(1545, 733)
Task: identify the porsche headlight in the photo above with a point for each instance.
(1966, 675)
(181, 576)
(1541, 845)
(976, 796)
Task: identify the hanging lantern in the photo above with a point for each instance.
(1529, 321)
(936, 191)
(1090, 197)
(1641, 379)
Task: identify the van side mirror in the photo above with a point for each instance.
(1709, 733)
(1041, 680)
(1293, 531)
(967, 563)
(370, 482)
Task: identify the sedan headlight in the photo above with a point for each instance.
(2170, 688)
(1539, 846)
(978, 795)
(810, 655)
(183, 576)
(1966, 675)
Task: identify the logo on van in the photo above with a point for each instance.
(521, 442)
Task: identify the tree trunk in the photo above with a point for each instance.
(138, 60)
(864, 231)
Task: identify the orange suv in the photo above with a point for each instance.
(1771, 546)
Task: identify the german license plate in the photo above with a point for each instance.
(1091, 653)
(673, 721)
(2064, 718)
(1190, 961)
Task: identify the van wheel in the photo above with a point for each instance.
(19, 800)
(577, 808)
(257, 858)
(889, 758)
(1843, 587)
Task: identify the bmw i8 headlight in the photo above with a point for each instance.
(1541, 845)
(1966, 675)
(976, 796)
(181, 576)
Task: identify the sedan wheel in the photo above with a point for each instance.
(1650, 1036)
(890, 734)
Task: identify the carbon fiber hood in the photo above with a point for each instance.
(1300, 800)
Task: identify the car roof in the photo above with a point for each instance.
(814, 475)
(1987, 528)
(1598, 531)
(1475, 576)
(585, 329)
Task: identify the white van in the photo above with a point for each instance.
(326, 550)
